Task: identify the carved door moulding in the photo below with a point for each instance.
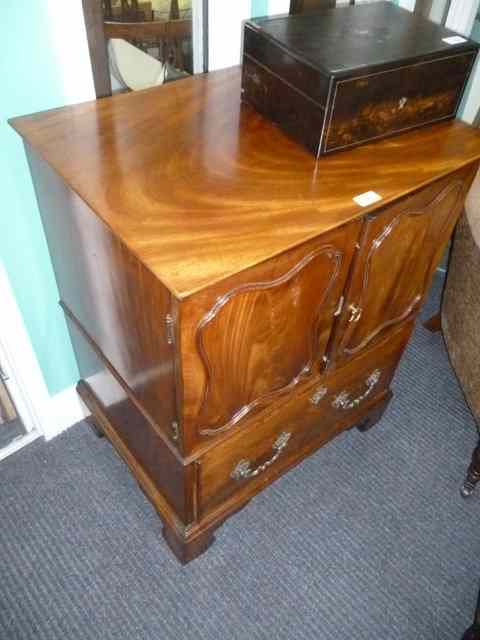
(377, 243)
(292, 279)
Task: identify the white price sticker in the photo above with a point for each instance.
(454, 40)
(367, 198)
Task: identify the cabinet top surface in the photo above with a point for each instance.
(200, 187)
(355, 37)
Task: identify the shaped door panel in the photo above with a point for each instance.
(266, 332)
(399, 252)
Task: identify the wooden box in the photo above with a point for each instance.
(345, 76)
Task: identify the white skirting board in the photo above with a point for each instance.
(56, 415)
(41, 414)
(63, 411)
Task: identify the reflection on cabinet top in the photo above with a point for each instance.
(200, 187)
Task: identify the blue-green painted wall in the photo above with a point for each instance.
(259, 8)
(30, 80)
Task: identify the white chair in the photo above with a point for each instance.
(132, 68)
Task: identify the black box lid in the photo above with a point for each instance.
(347, 38)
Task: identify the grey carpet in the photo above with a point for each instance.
(10, 431)
(368, 539)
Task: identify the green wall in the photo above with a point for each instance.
(30, 80)
(259, 8)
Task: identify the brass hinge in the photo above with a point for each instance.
(170, 326)
(175, 431)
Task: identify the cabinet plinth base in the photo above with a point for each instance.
(95, 427)
(187, 550)
(188, 543)
(376, 413)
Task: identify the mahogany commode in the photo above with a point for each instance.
(231, 306)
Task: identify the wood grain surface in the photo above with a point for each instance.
(400, 249)
(253, 339)
(313, 414)
(110, 294)
(167, 170)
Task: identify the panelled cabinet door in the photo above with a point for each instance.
(398, 253)
(264, 332)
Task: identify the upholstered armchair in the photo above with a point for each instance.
(461, 327)
(461, 314)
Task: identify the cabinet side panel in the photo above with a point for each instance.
(150, 454)
(119, 304)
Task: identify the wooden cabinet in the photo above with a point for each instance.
(231, 305)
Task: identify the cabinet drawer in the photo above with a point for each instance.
(241, 466)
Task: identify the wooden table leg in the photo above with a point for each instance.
(473, 474)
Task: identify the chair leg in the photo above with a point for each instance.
(473, 474)
(472, 479)
(474, 632)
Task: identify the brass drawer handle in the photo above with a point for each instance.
(243, 469)
(343, 401)
(318, 396)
